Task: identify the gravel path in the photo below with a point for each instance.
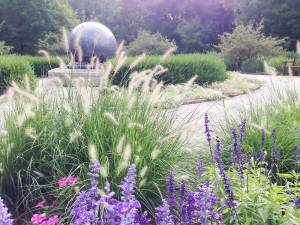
(193, 115)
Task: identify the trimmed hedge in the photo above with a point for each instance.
(181, 68)
(41, 65)
(14, 68)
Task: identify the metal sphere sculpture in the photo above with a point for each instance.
(92, 39)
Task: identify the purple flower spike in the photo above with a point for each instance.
(261, 154)
(5, 217)
(163, 215)
(171, 190)
(200, 168)
(207, 131)
(128, 185)
(94, 173)
(145, 220)
(182, 198)
(242, 131)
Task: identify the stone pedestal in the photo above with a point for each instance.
(70, 76)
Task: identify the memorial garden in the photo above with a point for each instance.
(130, 112)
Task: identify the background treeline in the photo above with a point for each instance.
(194, 25)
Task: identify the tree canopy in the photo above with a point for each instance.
(195, 25)
(25, 22)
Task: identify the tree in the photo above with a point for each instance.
(281, 18)
(25, 22)
(247, 42)
(193, 24)
(152, 44)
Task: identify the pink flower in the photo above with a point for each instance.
(41, 204)
(53, 220)
(67, 181)
(38, 218)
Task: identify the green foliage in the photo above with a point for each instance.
(194, 25)
(281, 18)
(282, 108)
(52, 43)
(261, 201)
(4, 49)
(181, 68)
(247, 42)
(253, 66)
(57, 138)
(13, 68)
(151, 44)
(41, 65)
(25, 22)
(278, 63)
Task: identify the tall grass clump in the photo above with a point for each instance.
(277, 118)
(55, 133)
(15, 69)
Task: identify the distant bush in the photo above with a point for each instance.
(247, 42)
(255, 65)
(181, 68)
(4, 49)
(14, 68)
(278, 63)
(151, 44)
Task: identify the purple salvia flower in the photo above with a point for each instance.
(234, 146)
(171, 189)
(183, 200)
(262, 146)
(231, 199)
(238, 157)
(94, 173)
(207, 131)
(5, 216)
(128, 185)
(274, 140)
(200, 168)
(297, 202)
(163, 215)
(242, 131)
(145, 220)
(85, 206)
(190, 207)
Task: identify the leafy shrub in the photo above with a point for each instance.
(13, 68)
(4, 49)
(151, 44)
(255, 65)
(247, 42)
(181, 68)
(121, 126)
(52, 43)
(278, 63)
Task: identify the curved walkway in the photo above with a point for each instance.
(193, 115)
